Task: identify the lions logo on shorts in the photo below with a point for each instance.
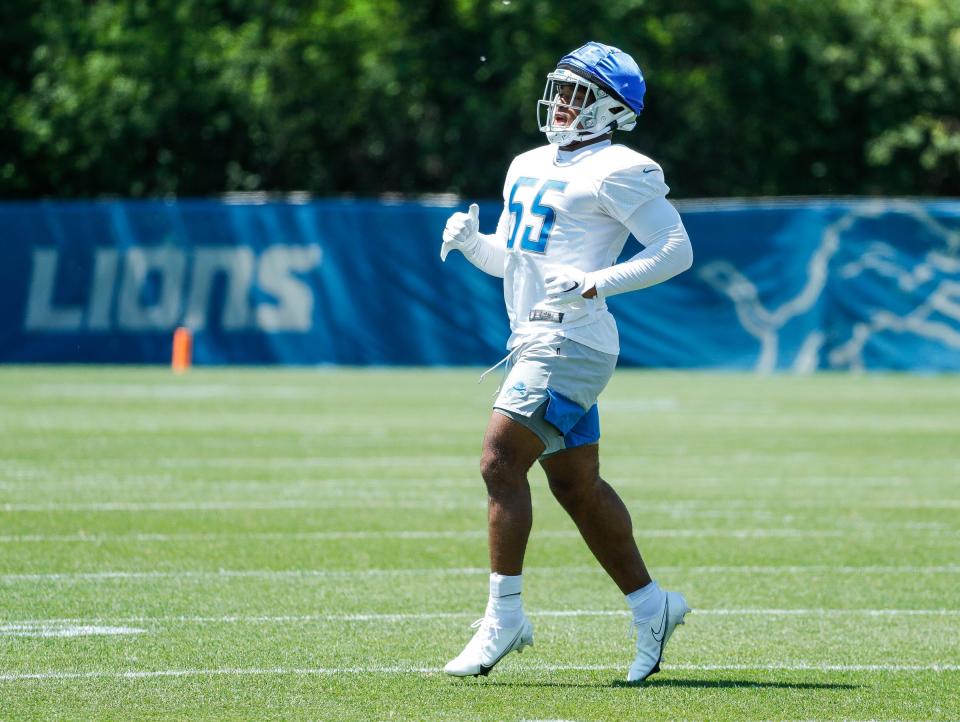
(519, 389)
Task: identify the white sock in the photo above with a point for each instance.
(504, 603)
(646, 601)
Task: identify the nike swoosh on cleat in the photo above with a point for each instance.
(485, 670)
(663, 635)
(663, 623)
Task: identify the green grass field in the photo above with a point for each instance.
(310, 544)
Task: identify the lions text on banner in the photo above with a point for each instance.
(775, 286)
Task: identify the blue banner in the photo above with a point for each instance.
(775, 286)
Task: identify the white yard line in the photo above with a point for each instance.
(465, 615)
(746, 533)
(14, 676)
(59, 629)
(379, 501)
(833, 612)
(239, 573)
(460, 571)
(934, 528)
(396, 500)
(800, 667)
(299, 462)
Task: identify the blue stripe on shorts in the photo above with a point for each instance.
(578, 427)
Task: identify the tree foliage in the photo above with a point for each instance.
(197, 97)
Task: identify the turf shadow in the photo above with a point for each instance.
(733, 683)
(680, 683)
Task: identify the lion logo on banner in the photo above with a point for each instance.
(890, 270)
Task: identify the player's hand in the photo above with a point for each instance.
(567, 284)
(461, 230)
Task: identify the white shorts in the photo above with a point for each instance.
(551, 387)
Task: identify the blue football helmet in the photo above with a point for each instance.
(595, 90)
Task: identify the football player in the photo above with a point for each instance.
(568, 209)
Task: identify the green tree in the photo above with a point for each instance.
(198, 97)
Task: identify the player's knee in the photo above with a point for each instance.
(564, 490)
(493, 467)
(498, 468)
(570, 489)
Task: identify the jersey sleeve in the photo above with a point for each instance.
(667, 251)
(625, 190)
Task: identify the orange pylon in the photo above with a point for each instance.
(182, 350)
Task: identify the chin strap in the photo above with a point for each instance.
(582, 137)
(596, 133)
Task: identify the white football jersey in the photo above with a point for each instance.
(568, 207)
